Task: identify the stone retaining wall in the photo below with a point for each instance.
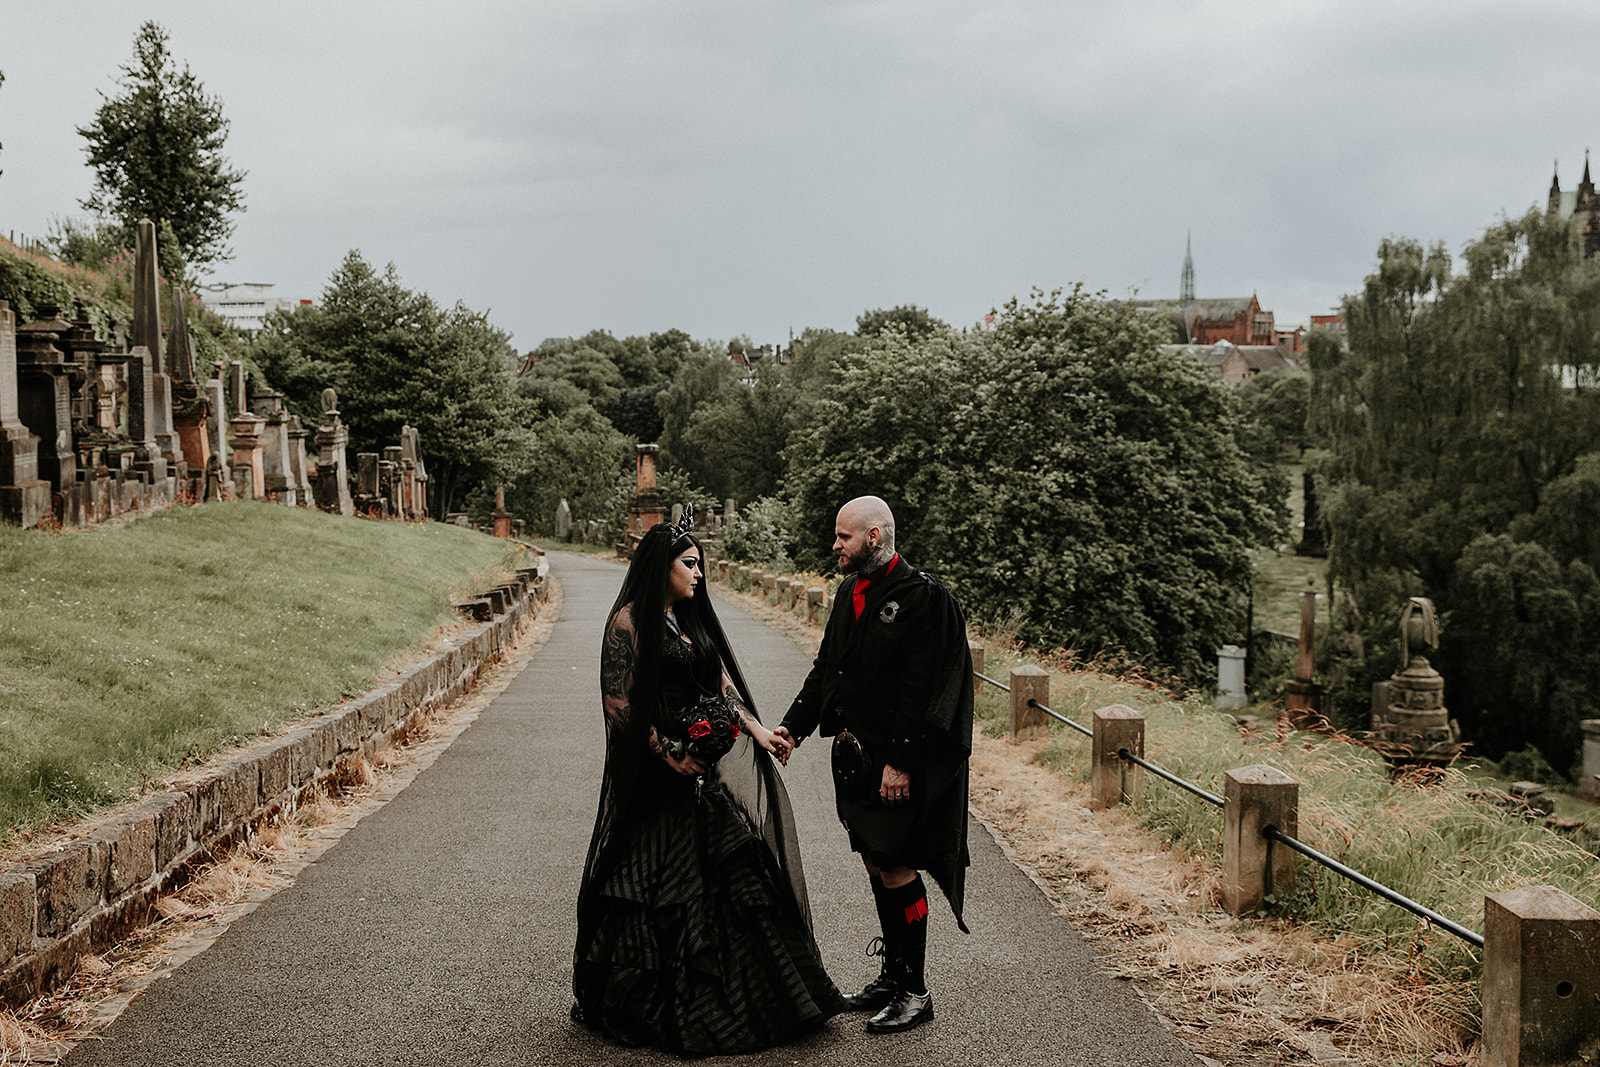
(85, 894)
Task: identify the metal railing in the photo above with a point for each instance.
(1272, 833)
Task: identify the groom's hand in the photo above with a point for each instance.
(788, 744)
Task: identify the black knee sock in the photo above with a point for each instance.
(909, 911)
(882, 896)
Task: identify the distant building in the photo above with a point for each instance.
(1235, 363)
(1580, 206)
(245, 305)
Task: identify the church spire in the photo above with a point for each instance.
(1555, 189)
(1186, 286)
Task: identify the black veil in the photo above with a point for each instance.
(630, 671)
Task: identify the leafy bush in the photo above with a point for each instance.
(762, 533)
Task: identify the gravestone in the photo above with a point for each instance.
(147, 332)
(236, 382)
(217, 428)
(333, 481)
(277, 470)
(190, 405)
(563, 521)
(44, 395)
(147, 457)
(1230, 677)
(644, 510)
(502, 517)
(299, 476)
(249, 475)
(1415, 726)
(367, 498)
(24, 496)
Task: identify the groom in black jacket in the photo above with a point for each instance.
(893, 683)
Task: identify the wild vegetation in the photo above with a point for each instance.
(1462, 435)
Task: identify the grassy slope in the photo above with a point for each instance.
(127, 650)
(1427, 840)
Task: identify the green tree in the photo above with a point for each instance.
(736, 437)
(1277, 403)
(395, 358)
(576, 455)
(1459, 410)
(1065, 475)
(156, 148)
(702, 379)
(914, 321)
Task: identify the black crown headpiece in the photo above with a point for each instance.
(681, 529)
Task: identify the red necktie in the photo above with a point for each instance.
(858, 596)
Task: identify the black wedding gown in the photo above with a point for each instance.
(694, 933)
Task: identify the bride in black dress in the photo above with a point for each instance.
(694, 934)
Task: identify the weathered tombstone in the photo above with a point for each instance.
(390, 472)
(217, 430)
(277, 470)
(24, 496)
(333, 483)
(676, 515)
(299, 476)
(147, 457)
(644, 510)
(190, 406)
(236, 378)
(1302, 694)
(1230, 677)
(44, 395)
(1416, 726)
(563, 521)
(367, 493)
(147, 332)
(249, 477)
(502, 517)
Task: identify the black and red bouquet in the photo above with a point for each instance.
(705, 730)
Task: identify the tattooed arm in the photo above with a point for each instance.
(762, 736)
(619, 660)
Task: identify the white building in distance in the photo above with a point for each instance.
(244, 305)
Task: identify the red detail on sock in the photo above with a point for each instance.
(918, 911)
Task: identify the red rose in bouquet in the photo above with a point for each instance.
(705, 730)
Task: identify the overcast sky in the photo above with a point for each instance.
(747, 167)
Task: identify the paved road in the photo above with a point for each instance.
(440, 929)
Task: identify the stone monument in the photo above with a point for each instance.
(1302, 695)
(1415, 725)
(333, 483)
(644, 510)
(190, 406)
(1312, 543)
(502, 517)
(563, 521)
(24, 496)
(147, 332)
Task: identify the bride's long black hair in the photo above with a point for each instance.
(644, 589)
(747, 773)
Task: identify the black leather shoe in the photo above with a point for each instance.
(904, 1011)
(876, 994)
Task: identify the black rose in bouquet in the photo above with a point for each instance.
(705, 730)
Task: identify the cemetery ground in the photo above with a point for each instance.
(130, 650)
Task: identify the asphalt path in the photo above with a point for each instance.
(440, 929)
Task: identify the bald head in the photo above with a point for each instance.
(864, 534)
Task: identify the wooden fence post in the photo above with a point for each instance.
(1541, 979)
(977, 666)
(1254, 868)
(813, 602)
(1027, 683)
(1113, 779)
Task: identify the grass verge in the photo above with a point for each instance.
(129, 650)
(1420, 834)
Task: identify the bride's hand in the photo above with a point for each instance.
(688, 766)
(776, 744)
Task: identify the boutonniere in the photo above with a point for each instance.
(890, 610)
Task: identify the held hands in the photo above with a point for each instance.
(896, 786)
(782, 745)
